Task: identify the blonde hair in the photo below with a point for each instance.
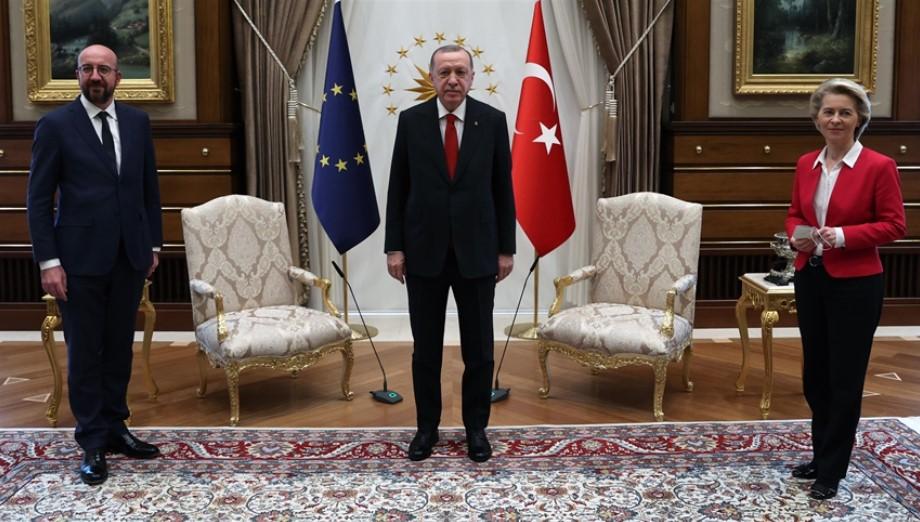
(847, 88)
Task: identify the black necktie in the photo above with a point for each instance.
(108, 142)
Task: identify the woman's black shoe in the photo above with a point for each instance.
(807, 471)
(823, 491)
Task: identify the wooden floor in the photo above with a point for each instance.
(312, 399)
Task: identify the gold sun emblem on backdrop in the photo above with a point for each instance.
(419, 50)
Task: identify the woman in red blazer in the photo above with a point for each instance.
(846, 201)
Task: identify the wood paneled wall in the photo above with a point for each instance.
(741, 170)
(197, 160)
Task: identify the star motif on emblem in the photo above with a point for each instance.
(477, 52)
(391, 70)
(341, 165)
(492, 88)
(420, 40)
(324, 160)
(461, 41)
(359, 159)
(547, 137)
(354, 95)
(388, 89)
(391, 109)
(336, 89)
(488, 69)
(439, 37)
(403, 52)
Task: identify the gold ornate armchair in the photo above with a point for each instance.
(643, 291)
(245, 295)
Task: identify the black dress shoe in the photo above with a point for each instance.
(93, 470)
(822, 490)
(422, 444)
(477, 446)
(131, 446)
(805, 471)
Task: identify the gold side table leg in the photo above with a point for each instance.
(741, 309)
(150, 319)
(767, 319)
(52, 320)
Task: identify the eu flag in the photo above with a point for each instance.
(343, 190)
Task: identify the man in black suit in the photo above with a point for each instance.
(450, 225)
(97, 248)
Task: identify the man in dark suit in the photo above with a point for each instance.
(97, 248)
(450, 225)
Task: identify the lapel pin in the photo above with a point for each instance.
(475, 123)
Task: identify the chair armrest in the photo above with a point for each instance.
(681, 286)
(562, 282)
(203, 289)
(308, 278)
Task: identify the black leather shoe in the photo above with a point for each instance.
(477, 446)
(93, 470)
(131, 446)
(821, 490)
(805, 471)
(422, 444)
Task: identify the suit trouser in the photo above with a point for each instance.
(98, 318)
(837, 321)
(427, 306)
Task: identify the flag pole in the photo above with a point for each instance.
(358, 332)
(528, 331)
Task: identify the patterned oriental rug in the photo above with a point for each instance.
(664, 471)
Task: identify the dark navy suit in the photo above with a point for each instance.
(104, 231)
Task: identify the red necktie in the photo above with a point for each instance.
(451, 146)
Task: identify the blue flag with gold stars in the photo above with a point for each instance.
(343, 190)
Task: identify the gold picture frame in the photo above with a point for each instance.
(802, 49)
(148, 78)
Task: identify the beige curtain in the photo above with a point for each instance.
(617, 25)
(289, 27)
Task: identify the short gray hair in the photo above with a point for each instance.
(847, 88)
(449, 48)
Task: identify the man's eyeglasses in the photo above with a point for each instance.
(87, 70)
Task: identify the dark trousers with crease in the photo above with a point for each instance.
(98, 319)
(427, 306)
(837, 321)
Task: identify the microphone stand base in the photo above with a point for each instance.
(358, 333)
(500, 394)
(386, 396)
(525, 331)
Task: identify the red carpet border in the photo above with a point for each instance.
(703, 471)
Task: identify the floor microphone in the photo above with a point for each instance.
(499, 393)
(384, 395)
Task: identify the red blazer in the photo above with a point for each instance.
(866, 202)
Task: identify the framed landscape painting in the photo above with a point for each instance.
(139, 31)
(791, 46)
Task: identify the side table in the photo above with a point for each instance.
(758, 293)
(53, 320)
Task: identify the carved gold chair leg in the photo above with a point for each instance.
(688, 355)
(542, 355)
(233, 388)
(348, 358)
(150, 319)
(51, 321)
(661, 379)
(202, 372)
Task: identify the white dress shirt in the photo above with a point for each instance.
(92, 111)
(826, 188)
(459, 112)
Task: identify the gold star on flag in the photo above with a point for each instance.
(324, 160)
(477, 51)
(324, 97)
(354, 95)
(488, 69)
(391, 109)
(492, 88)
(439, 37)
(387, 89)
(461, 41)
(341, 165)
(403, 52)
(359, 158)
(336, 89)
(391, 69)
(420, 40)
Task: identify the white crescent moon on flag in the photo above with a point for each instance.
(535, 70)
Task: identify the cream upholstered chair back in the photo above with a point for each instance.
(240, 245)
(643, 243)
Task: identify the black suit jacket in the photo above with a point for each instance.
(473, 213)
(97, 208)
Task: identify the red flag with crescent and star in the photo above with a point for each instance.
(542, 197)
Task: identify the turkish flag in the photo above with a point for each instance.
(542, 197)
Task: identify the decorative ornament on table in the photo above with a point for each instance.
(783, 268)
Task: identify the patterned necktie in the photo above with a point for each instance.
(108, 142)
(451, 146)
